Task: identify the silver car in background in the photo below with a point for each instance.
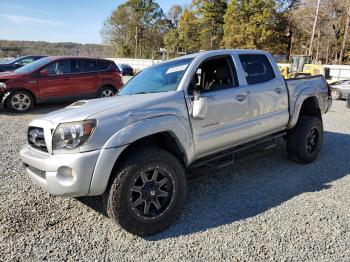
(340, 89)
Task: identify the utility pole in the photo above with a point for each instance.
(318, 45)
(136, 38)
(346, 33)
(314, 28)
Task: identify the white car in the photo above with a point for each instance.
(340, 89)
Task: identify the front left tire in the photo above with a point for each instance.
(147, 192)
(20, 101)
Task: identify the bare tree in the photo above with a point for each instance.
(346, 33)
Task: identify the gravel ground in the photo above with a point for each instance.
(263, 208)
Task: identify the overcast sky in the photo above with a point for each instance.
(59, 21)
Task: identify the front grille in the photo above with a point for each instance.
(36, 171)
(36, 138)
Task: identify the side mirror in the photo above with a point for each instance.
(200, 107)
(17, 65)
(44, 72)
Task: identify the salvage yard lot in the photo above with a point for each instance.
(263, 207)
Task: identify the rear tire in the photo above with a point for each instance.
(20, 101)
(305, 139)
(141, 202)
(335, 94)
(107, 91)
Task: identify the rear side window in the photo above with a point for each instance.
(103, 65)
(257, 68)
(84, 66)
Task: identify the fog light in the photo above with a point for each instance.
(66, 176)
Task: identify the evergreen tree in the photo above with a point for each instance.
(254, 24)
(189, 32)
(210, 19)
(172, 42)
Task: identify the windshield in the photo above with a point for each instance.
(159, 78)
(32, 66)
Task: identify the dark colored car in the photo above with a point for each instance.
(19, 62)
(126, 69)
(55, 79)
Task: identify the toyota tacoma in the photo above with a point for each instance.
(200, 109)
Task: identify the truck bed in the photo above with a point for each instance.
(308, 86)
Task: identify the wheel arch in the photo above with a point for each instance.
(308, 105)
(7, 95)
(106, 85)
(165, 132)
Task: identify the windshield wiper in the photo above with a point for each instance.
(140, 93)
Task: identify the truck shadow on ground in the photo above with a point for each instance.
(255, 184)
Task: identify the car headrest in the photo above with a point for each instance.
(222, 73)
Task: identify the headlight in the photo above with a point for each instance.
(2, 85)
(69, 136)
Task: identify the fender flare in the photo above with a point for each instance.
(166, 123)
(298, 103)
(116, 145)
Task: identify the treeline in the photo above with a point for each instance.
(19, 48)
(141, 29)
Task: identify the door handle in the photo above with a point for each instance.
(240, 98)
(279, 90)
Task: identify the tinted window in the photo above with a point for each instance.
(257, 68)
(84, 66)
(59, 68)
(103, 65)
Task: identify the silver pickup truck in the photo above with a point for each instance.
(200, 109)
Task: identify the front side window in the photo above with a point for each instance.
(59, 68)
(257, 68)
(214, 74)
(159, 78)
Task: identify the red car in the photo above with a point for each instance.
(56, 79)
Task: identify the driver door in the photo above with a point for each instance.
(228, 106)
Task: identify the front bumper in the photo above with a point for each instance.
(63, 174)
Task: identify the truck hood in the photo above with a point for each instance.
(127, 106)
